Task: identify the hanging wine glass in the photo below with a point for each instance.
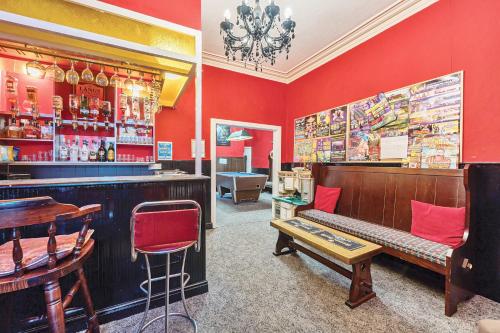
(128, 83)
(114, 81)
(101, 79)
(72, 76)
(141, 85)
(87, 74)
(54, 72)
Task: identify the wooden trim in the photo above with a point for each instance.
(398, 170)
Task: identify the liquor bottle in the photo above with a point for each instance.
(93, 152)
(63, 151)
(101, 153)
(73, 152)
(13, 131)
(84, 152)
(111, 152)
(12, 94)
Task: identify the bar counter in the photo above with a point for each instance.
(113, 279)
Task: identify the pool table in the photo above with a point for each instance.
(243, 186)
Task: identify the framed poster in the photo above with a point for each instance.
(300, 128)
(223, 132)
(165, 152)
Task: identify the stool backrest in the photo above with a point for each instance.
(156, 228)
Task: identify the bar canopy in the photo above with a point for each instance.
(75, 28)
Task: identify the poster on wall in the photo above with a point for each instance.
(165, 152)
(323, 150)
(323, 124)
(300, 128)
(338, 130)
(418, 126)
(303, 149)
(434, 126)
(223, 132)
(310, 127)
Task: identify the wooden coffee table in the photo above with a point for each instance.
(349, 249)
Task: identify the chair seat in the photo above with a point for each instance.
(35, 251)
(166, 247)
(396, 239)
(43, 275)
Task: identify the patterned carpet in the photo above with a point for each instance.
(253, 291)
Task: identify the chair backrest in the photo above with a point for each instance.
(18, 213)
(162, 227)
(382, 195)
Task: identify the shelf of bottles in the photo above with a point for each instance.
(58, 110)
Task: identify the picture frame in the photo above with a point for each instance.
(223, 132)
(165, 151)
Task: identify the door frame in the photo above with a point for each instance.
(248, 160)
(213, 155)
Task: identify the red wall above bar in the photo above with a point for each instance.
(185, 12)
(448, 36)
(226, 95)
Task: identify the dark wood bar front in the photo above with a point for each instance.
(113, 279)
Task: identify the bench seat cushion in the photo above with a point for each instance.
(396, 239)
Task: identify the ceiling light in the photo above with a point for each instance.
(239, 136)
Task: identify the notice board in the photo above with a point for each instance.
(419, 126)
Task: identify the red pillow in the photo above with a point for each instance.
(444, 225)
(326, 198)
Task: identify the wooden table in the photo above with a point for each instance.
(359, 255)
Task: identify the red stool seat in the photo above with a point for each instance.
(166, 247)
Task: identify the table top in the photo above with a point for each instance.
(240, 174)
(367, 249)
(291, 200)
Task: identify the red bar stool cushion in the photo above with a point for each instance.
(165, 230)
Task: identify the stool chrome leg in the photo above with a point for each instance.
(183, 285)
(167, 291)
(148, 301)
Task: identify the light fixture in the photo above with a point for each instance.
(264, 35)
(239, 136)
(35, 69)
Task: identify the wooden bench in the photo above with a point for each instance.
(341, 246)
(375, 204)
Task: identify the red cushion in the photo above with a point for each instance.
(164, 229)
(444, 225)
(326, 198)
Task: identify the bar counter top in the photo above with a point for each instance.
(98, 180)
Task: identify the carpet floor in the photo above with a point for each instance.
(250, 290)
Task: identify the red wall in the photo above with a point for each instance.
(448, 36)
(185, 12)
(226, 95)
(262, 144)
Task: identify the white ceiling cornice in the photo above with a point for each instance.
(368, 29)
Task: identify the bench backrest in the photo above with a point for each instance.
(382, 195)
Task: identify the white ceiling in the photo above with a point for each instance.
(319, 24)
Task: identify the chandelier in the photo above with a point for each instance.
(263, 35)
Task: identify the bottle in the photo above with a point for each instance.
(93, 152)
(13, 131)
(111, 152)
(101, 153)
(73, 152)
(63, 151)
(84, 152)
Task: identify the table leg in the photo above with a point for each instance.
(283, 242)
(361, 285)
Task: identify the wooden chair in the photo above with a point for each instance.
(19, 213)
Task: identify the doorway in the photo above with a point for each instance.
(275, 166)
(247, 153)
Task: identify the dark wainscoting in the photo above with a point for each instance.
(73, 171)
(113, 278)
(485, 228)
(262, 171)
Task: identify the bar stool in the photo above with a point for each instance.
(47, 259)
(165, 232)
